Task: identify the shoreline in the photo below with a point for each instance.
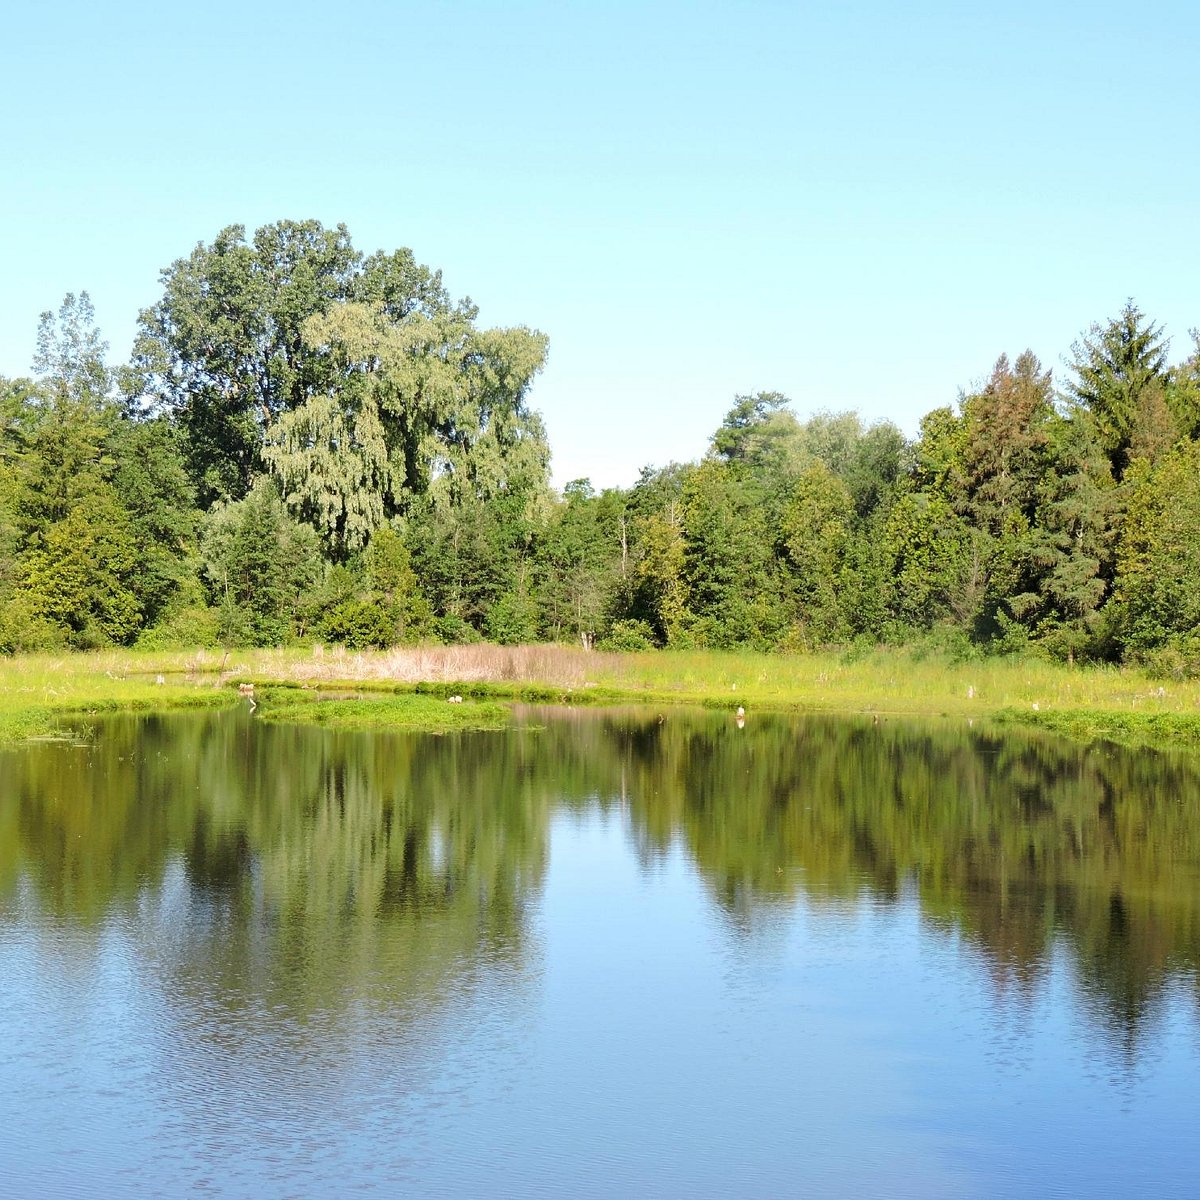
(53, 695)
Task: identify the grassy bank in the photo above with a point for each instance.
(56, 695)
(41, 694)
(1157, 730)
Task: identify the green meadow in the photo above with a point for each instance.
(58, 695)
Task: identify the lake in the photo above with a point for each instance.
(604, 953)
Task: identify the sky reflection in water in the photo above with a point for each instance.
(604, 954)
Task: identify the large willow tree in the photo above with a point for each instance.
(354, 380)
(421, 408)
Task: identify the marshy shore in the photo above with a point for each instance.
(56, 695)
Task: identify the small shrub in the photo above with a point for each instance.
(862, 647)
(1178, 658)
(627, 637)
(795, 640)
(511, 621)
(235, 626)
(361, 624)
(24, 631)
(196, 625)
(454, 631)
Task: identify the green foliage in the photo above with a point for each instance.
(1071, 543)
(1120, 377)
(258, 563)
(762, 436)
(360, 624)
(512, 619)
(729, 567)
(1177, 658)
(95, 513)
(70, 354)
(24, 628)
(454, 631)
(354, 381)
(223, 351)
(627, 637)
(13, 418)
(928, 549)
(315, 443)
(468, 556)
(1183, 392)
(62, 457)
(1004, 444)
(194, 625)
(996, 460)
(151, 481)
(430, 406)
(872, 469)
(582, 561)
(817, 529)
(374, 601)
(660, 596)
(395, 589)
(81, 574)
(388, 564)
(1158, 560)
(756, 430)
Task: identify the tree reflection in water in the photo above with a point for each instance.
(321, 870)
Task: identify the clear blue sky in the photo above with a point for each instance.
(857, 204)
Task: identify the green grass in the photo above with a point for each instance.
(882, 680)
(1161, 730)
(44, 694)
(54, 695)
(423, 714)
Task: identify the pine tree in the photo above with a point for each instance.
(1120, 374)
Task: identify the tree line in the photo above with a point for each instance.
(312, 443)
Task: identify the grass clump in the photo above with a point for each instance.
(1139, 730)
(415, 713)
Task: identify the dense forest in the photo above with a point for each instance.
(311, 443)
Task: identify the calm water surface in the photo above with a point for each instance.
(608, 953)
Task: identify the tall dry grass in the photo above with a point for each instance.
(561, 666)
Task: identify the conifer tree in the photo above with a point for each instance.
(1119, 377)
